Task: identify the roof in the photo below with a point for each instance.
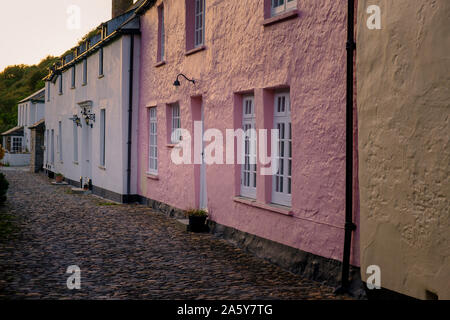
(17, 131)
(128, 22)
(137, 4)
(40, 123)
(38, 96)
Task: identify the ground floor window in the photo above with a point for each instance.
(102, 137)
(16, 146)
(153, 141)
(282, 180)
(248, 168)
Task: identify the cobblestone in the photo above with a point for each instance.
(124, 252)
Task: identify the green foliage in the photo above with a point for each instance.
(4, 185)
(196, 213)
(107, 204)
(16, 83)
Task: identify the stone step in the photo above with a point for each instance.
(60, 183)
(81, 191)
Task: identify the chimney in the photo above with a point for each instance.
(120, 6)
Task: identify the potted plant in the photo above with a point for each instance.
(197, 220)
(59, 178)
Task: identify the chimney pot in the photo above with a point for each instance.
(120, 7)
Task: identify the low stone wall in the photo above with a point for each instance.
(16, 159)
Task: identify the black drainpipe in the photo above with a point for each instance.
(349, 225)
(130, 117)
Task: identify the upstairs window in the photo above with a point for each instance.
(161, 35)
(73, 78)
(195, 24)
(199, 22)
(84, 72)
(282, 6)
(100, 62)
(60, 80)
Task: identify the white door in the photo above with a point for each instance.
(203, 190)
(86, 156)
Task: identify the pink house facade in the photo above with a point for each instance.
(261, 64)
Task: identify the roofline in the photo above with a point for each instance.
(117, 33)
(30, 97)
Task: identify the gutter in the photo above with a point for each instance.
(349, 225)
(130, 116)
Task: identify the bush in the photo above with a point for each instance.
(4, 184)
(196, 213)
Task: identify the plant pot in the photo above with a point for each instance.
(197, 224)
(59, 179)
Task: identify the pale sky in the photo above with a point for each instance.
(32, 29)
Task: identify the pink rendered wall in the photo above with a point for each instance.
(306, 54)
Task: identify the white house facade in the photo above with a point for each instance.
(30, 111)
(89, 118)
(17, 141)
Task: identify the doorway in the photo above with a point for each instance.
(203, 203)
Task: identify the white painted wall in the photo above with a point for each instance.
(28, 113)
(17, 159)
(109, 92)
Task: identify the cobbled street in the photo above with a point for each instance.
(124, 252)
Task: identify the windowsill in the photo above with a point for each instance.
(102, 168)
(286, 211)
(281, 17)
(195, 50)
(152, 176)
(76, 163)
(72, 88)
(60, 94)
(101, 76)
(84, 85)
(160, 63)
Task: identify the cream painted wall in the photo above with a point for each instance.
(403, 109)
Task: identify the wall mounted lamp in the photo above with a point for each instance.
(76, 120)
(89, 117)
(177, 82)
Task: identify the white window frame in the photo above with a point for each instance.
(199, 23)
(282, 180)
(47, 146)
(60, 143)
(100, 62)
(163, 36)
(48, 91)
(52, 147)
(249, 166)
(282, 6)
(152, 140)
(16, 144)
(102, 137)
(60, 81)
(73, 78)
(85, 70)
(75, 142)
(176, 123)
